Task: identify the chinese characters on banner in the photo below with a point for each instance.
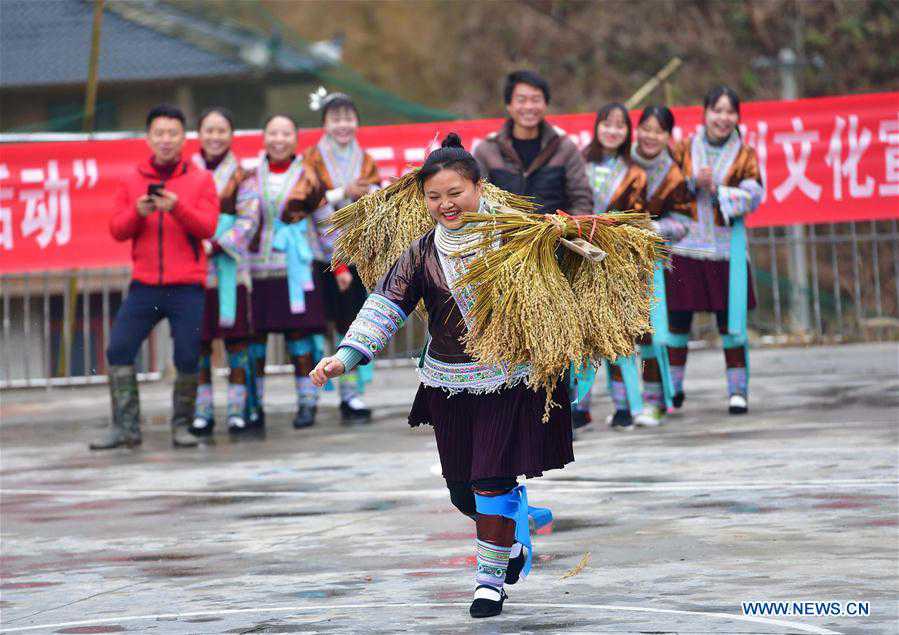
(824, 160)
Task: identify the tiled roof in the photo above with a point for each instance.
(47, 42)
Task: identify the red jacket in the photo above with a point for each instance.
(166, 247)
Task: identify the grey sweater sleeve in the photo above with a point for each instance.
(580, 197)
(479, 156)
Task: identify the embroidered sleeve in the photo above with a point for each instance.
(378, 320)
(236, 240)
(370, 173)
(637, 198)
(402, 285)
(670, 229)
(735, 202)
(305, 198)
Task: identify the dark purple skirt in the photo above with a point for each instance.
(271, 307)
(700, 285)
(341, 307)
(242, 327)
(496, 435)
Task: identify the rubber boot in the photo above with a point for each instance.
(124, 429)
(184, 397)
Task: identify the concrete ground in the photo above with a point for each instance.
(349, 530)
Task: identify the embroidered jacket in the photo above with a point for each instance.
(422, 273)
(232, 234)
(618, 184)
(738, 191)
(304, 196)
(333, 177)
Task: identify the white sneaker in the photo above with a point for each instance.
(199, 423)
(650, 417)
(738, 405)
(356, 404)
(235, 421)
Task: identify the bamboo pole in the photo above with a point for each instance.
(644, 91)
(90, 99)
(87, 125)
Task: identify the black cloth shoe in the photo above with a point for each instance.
(256, 418)
(622, 420)
(738, 405)
(348, 414)
(580, 418)
(516, 564)
(484, 605)
(678, 399)
(201, 427)
(305, 417)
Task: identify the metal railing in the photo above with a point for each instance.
(51, 337)
(850, 286)
(55, 325)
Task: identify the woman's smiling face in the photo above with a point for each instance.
(280, 139)
(448, 195)
(721, 118)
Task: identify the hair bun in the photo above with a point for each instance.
(452, 140)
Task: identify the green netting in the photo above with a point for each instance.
(343, 78)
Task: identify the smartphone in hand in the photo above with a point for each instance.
(155, 189)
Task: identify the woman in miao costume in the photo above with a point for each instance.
(346, 172)
(287, 292)
(666, 193)
(618, 183)
(710, 269)
(491, 375)
(226, 313)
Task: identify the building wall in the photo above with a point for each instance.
(124, 107)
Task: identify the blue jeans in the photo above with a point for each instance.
(143, 308)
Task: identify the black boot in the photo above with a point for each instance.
(305, 416)
(677, 400)
(488, 601)
(349, 414)
(622, 420)
(580, 418)
(184, 399)
(124, 429)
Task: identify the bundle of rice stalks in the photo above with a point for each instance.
(529, 308)
(376, 230)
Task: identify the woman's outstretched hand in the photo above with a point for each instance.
(326, 369)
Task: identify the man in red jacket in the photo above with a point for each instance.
(165, 207)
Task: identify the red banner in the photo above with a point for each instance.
(824, 160)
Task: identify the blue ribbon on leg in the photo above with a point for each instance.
(514, 504)
(631, 378)
(738, 291)
(581, 380)
(661, 335)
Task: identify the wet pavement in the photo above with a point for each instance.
(349, 529)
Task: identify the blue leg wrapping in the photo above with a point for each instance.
(581, 381)
(300, 347)
(631, 378)
(514, 504)
(678, 340)
(255, 351)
